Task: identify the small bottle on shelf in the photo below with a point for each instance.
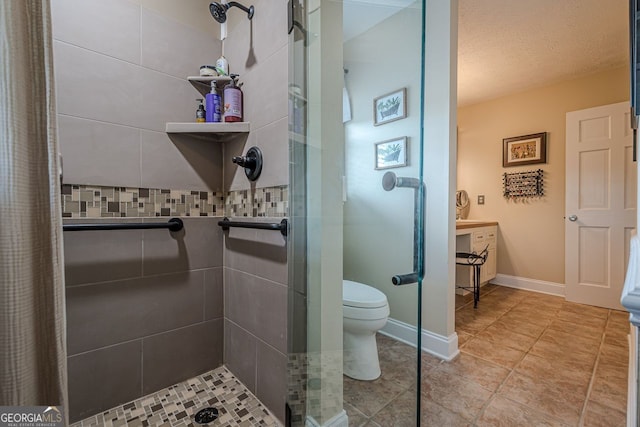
(200, 112)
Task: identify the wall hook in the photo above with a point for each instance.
(252, 163)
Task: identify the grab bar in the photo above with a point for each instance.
(174, 224)
(282, 226)
(389, 182)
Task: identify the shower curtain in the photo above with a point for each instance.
(32, 314)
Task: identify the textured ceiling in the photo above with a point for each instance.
(507, 46)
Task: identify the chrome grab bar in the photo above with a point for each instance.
(389, 182)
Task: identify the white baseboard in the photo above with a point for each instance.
(527, 284)
(445, 348)
(339, 420)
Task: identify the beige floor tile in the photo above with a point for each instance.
(498, 334)
(551, 351)
(463, 337)
(614, 355)
(437, 415)
(524, 317)
(502, 412)
(574, 328)
(521, 326)
(616, 340)
(483, 373)
(598, 415)
(370, 396)
(582, 319)
(610, 392)
(555, 372)
(459, 395)
(497, 353)
(398, 364)
(560, 403)
(467, 321)
(356, 418)
(401, 412)
(572, 341)
(588, 310)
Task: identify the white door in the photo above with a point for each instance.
(600, 214)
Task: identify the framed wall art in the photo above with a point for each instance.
(524, 150)
(391, 153)
(390, 107)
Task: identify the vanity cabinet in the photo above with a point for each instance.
(475, 236)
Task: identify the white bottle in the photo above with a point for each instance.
(222, 66)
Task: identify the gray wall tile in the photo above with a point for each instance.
(268, 261)
(179, 162)
(198, 245)
(95, 86)
(240, 354)
(266, 102)
(91, 24)
(273, 140)
(104, 378)
(100, 256)
(174, 356)
(234, 176)
(257, 305)
(213, 293)
(269, 27)
(166, 99)
(98, 153)
(187, 48)
(109, 313)
(271, 378)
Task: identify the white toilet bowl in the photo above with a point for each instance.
(365, 311)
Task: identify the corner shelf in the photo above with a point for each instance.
(220, 132)
(203, 83)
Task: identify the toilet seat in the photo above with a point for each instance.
(358, 295)
(355, 313)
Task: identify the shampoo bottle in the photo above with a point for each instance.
(214, 104)
(232, 101)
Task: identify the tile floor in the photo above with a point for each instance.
(178, 404)
(526, 359)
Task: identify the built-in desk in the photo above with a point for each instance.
(474, 236)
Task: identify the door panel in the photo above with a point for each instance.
(600, 204)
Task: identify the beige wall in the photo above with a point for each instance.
(531, 233)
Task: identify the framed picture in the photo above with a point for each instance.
(524, 150)
(390, 107)
(391, 153)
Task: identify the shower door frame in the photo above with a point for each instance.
(437, 160)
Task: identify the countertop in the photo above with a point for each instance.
(469, 223)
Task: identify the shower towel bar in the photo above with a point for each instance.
(281, 226)
(174, 224)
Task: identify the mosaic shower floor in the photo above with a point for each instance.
(178, 404)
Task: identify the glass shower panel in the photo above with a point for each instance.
(356, 208)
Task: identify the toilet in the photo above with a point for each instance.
(365, 311)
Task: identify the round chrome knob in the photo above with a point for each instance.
(573, 218)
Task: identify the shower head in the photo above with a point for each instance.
(219, 11)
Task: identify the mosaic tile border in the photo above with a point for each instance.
(178, 404)
(90, 201)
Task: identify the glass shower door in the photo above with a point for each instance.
(356, 212)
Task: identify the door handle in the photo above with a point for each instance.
(572, 218)
(389, 182)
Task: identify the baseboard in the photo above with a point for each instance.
(445, 348)
(339, 420)
(527, 284)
